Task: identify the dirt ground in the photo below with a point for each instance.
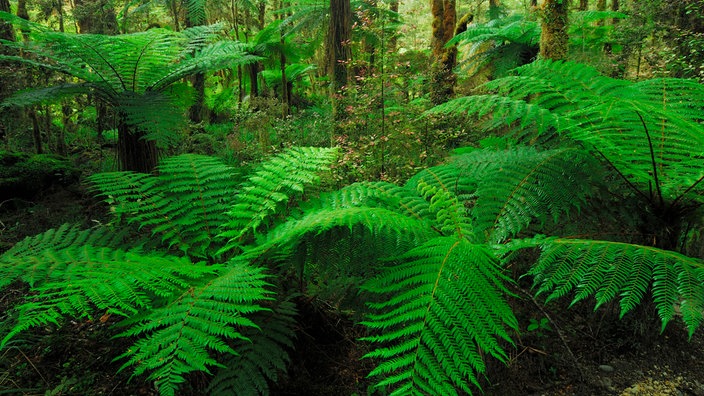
(567, 351)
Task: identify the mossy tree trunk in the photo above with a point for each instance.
(554, 36)
(443, 78)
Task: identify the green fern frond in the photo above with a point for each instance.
(269, 189)
(527, 184)
(610, 270)
(185, 203)
(45, 95)
(649, 131)
(450, 214)
(178, 338)
(439, 287)
(507, 189)
(71, 277)
(13, 264)
(262, 357)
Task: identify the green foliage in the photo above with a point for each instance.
(445, 284)
(649, 134)
(184, 203)
(438, 272)
(647, 130)
(184, 316)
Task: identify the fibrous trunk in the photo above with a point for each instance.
(554, 37)
(134, 152)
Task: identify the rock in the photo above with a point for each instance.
(606, 368)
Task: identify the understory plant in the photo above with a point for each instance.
(200, 267)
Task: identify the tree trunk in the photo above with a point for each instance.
(554, 36)
(22, 13)
(339, 55)
(583, 5)
(443, 78)
(134, 153)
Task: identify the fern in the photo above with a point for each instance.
(615, 119)
(447, 283)
(185, 203)
(175, 339)
(650, 134)
(610, 270)
(262, 357)
(184, 316)
(270, 188)
(71, 277)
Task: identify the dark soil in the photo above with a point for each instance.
(576, 351)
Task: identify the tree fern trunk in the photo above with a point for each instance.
(134, 152)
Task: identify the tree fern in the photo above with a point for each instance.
(649, 134)
(184, 316)
(139, 75)
(642, 129)
(435, 286)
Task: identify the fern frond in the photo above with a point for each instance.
(13, 265)
(444, 304)
(610, 270)
(46, 95)
(77, 278)
(269, 189)
(178, 338)
(507, 189)
(650, 131)
(527, 184)
(262, 357)
(184, 203)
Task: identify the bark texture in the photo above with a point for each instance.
(443, 78)
(554, 36)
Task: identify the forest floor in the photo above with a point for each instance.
(568, 351)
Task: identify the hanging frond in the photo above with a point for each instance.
(609, 270)
(262, 357)
(444, 308)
